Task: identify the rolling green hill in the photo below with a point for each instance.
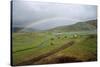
(80, 26)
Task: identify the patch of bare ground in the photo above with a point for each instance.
(60, 59)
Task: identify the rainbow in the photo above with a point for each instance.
(46, 20)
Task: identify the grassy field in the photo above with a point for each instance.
(50, 47)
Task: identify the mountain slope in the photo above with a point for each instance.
(80, 26)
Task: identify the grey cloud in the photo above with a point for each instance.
(28, 12)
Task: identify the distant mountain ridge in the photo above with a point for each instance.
(16, 29)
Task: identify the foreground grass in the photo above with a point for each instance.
(22, 51)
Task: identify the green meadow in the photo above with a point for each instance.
(53, 47)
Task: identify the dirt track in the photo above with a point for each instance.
(33, 60)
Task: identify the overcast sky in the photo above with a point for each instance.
(41, 15)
